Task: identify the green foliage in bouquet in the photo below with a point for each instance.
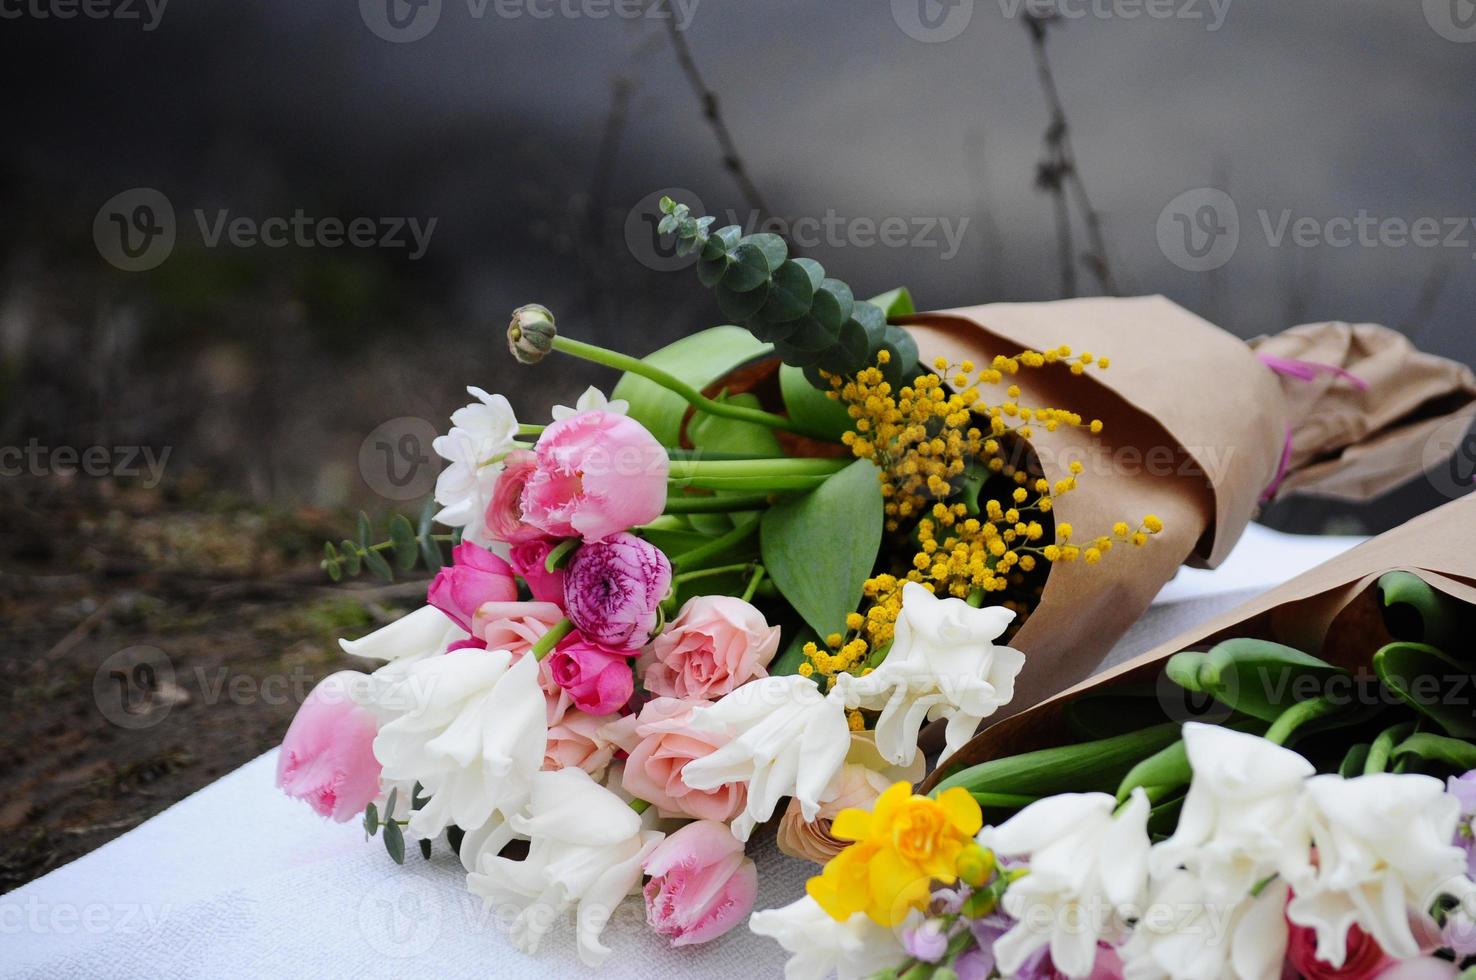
(409, 545)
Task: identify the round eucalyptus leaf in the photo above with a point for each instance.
(848, 355)
(749, 268)
(767, 330)
(790, 294)
(813, 269)
(740, 306)
(721, 242)
(795, 356)
(811, 334)
(710, 271)
(773, 247)
(832, 305)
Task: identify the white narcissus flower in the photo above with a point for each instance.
(1088, 873)
(943, 664)
(1384, 853)
(787, 739)
(481, 433)
(819, 946)
(470, 727)
(586, 848)
(593, 400)
(1186, 934)
(423, 633)
(1242, 820)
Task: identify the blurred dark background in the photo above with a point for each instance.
(237, 398)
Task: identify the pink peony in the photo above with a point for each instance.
(701, 884)
(660, 742)
(327, 757)
(614, 588)
(528, 559)
(575, 740)
(715, 644)
(475, 576)
(598, 679)
(504, 517)
(514, 626)
(1364, 960)
(597, 474)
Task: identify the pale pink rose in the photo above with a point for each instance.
(529, 559)
(863, 778)
(327, 757)
(504, 515)
(475, 576)
(614, 588)
(575, 739)
(715, 644)
(660, 742)
(598, 679)
(514, 626)
(597, 473)
(701, 884)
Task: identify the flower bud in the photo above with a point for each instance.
(531, 333)
(975, 865)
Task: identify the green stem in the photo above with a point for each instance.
(753, 584)
(558, 557)
(689, 504)
(640, 806)
(757, 484)
(530, 430)
(718, 545)
(1297, 715)
(1383, 746)
(695, 398)
(684, 469)
(717, 570)
(551, 639)
(976, 598)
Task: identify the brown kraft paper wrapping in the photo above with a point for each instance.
(1328, 610)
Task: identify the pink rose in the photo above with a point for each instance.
(514, 626)
(701, 884)
(575, 740)
(614, 588)
(529, 560)
(661, 741)
(504, 515)
(598, 679)
(1364, 960)
(597, 473)
(475, 576)
(715, 644)
(327, 757)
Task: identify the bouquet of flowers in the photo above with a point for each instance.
(1315, 820)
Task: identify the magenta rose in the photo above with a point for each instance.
(528, 559)
(327, 757)
(701, 884)
(1365, 959)
(715, 644)
(597, 474)
(613, 590)
(660, 742)
(597, 678)
(504, 515)
(474, 577)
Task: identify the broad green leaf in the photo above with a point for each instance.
(820, 548)
(731, 435)
(1432, 683)
(1168, 767)
(674, 534)
(894, 302)
(1415, 610)
(698, 360)
(823, 417)
(1256, 677)
(793, 653)
(1112, 712)
(1453, 752)
(1088, 766)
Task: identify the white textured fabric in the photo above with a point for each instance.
(239, 881)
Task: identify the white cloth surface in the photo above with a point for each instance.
(239, 881)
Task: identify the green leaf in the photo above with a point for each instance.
(721, 242)
(790, 294)
(1088, 766)
(902, 369)
(425, 848)
(810, 335)
(832, 305)
(894, 302)
(371, 820)
(823, 417)
(389, 803)
(394, 842)
(1102, 715)
(673, 534)
(731, 435)
(366, 530)
(698, 360)
(1354, 761)
(710, 271)
(402, 536)
(874, 322)
(749, 270)
(454, 835)
(813, 269)
(821, 547)
(740, 305)
(849, 353)
(797, 356)
(768, 331)
(1415, 610)
(375, 562)
(773, 247)
(1256, 677)
(430, 552)
(1432, 683)
(1439, 748)
(1168, 767)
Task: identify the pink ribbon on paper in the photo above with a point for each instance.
(1302, 371)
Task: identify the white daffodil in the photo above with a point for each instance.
(1384, 853)
(470, 727)
(423, 633)
(819, 946)
(943, 664)
(593, 400)
(1088, 873)
(787, 739)
(1186, 934)
(586, 848)
(481, 434)
(1241, 821)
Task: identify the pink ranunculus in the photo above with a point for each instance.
(715, 644)
(475, 576)
(614, 588)
(327, 757)
(529, 559)
(514, 626)
(597, 678)
(1365, 959)
(597, 473)
(504, 515)
(575, 739)
(660, 742)
(701, 884)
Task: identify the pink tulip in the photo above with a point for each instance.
(597, 473)
(614, 588)
(475, 576)
(660, 742)
(504, 515)
(701, 884)
(327, 757)
(715, 644)
(598, 679)
(528, 559)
